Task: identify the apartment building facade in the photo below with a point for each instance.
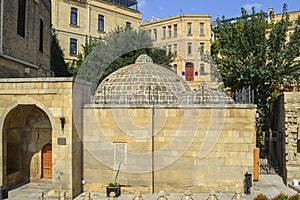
(76, 20)
(188, 37)
(25, 38)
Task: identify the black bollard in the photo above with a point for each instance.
(248, 183)
(1, 193)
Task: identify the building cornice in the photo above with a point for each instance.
(178, 17)
(24, 62)
(114, 11)
(115, 4)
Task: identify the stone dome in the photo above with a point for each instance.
(141, 83)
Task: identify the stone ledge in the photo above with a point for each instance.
(41, 79)
(169, 106)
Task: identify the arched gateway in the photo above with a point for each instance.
(27, 137)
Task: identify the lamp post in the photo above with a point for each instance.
(62, 121)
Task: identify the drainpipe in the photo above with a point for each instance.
(152, 146)
(89, 22)
(1, 31)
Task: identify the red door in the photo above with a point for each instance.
(189, 71)
(47, 161)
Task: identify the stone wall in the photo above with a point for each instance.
(197, 147)
(278, 153)
(290, 101)
(25, 50)
(54, 96)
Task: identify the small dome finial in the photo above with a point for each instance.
(144, 58)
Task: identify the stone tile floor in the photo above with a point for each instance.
(269, 184)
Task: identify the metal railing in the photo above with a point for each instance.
(244, 95)
(153, 95)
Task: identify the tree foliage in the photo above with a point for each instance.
(159, 56)
(119, 48)
(57, 61)
(253, 52)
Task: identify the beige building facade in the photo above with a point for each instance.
(293, 17)
(188, 37)
(25, 38)
(75, 21)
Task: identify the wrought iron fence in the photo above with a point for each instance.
(203, 95)
(244, 95)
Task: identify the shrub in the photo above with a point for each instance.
(261, 197)
(281, 196)
(295, 197)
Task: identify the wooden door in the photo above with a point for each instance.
(256, 164)
(47, 161)
(189, 71)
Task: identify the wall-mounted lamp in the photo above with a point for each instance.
(256, 115)
(62, 121)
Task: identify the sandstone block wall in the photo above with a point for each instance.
(53, 96)
(199, 147)
(290, 102)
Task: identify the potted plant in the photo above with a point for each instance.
(114, 186)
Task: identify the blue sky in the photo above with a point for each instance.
(216, 8)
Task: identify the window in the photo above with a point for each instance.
(100, 23)
(73, 16)
(201, 28)
(73, 46)
(164, 32)
(169, 31)
(164, 47)
(175, 49)
(201, 49)
(21, 17)
(175, 30)
(189, 28)
(120, 153)
(128, 25)
(155, 34)
(41, 43)
(189, 48)
(202, 71)
(169, 48)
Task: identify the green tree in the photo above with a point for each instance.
(88, 46)
(159, 56)
(253, 52)
(117, 49)
(57, 61)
